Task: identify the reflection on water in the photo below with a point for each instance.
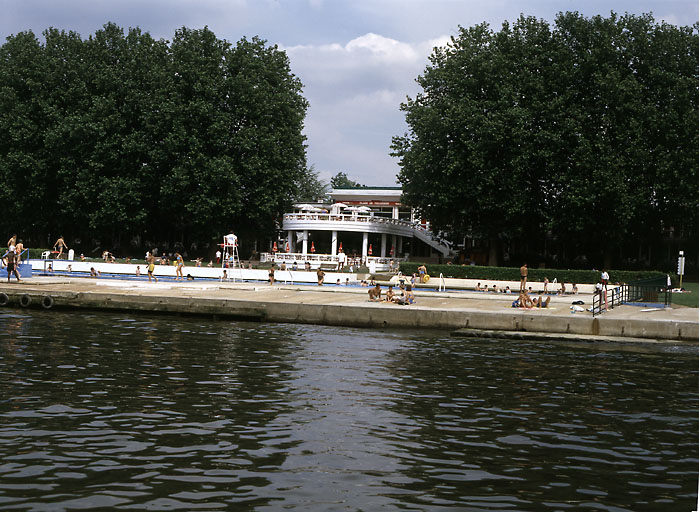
(125, 412)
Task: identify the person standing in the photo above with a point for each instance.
(179, 262)
(60, 244)
(19, 249)
(422, 271)
(271, 275)
(605, 278)
(523, 273)
(218, 257)
(12, 241)
(11, 267)
(151, 267)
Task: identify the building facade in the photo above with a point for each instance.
(369, 226)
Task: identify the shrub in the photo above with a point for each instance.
(535, 274)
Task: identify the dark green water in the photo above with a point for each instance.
(138, 413)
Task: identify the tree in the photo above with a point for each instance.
(312, 189)
(564, 134)
(120, 135)
(340, 180)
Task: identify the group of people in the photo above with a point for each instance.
(494, 289)
(405, 297)
(525, 301)
(13, 257)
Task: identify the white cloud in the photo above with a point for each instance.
(355, 90)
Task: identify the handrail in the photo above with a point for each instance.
(291, 277)
(638, 291)
(341, 217)
(298, 256)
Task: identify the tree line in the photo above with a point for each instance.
(119, 138)
(567, 143)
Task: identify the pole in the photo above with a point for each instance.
(680, 267)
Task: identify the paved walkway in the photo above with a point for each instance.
(333, 305)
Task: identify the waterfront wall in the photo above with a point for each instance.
(295, 309)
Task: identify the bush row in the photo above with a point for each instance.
(34, 253)
(535, 274)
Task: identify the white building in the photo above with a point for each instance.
(369, 225)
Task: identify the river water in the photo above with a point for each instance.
(123, 412)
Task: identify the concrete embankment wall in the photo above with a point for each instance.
(347, 309)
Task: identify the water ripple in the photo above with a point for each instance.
(192, 415)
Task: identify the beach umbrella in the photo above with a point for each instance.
(393, 248)
(352, 208)
(304, 206)
(287, 247)
(340, 205)
(370, 251)
(274, 247)
(340, 246)
(313, 247)
(363, 209)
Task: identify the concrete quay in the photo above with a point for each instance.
(349, 306)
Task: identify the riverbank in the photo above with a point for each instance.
(348, 306)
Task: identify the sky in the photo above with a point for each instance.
(358, 59)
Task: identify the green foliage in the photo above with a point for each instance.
(312, 189)
(340, 180)
(582, 134)
(122, 136)
(534, 274)
(35, 253)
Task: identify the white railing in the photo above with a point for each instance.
(341, 217)
(381, 221)
(318, 259)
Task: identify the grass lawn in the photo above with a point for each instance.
(687, 299)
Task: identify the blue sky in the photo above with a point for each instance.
(357, 59)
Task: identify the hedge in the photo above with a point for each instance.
(535, 274)
(35, 254)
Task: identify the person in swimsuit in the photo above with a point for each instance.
(422, 270)
(178, 269)
(389, 294)
(19, 249)
(523, 272)
(60, 244)
(409, 294)
(11, 268)
(151, 267)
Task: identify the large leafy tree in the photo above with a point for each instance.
(120, 136)
(574, 133)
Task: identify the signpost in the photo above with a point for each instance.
(680, 266)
